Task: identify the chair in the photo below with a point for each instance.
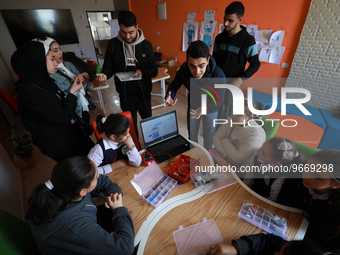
(15, 236)
(9, 100)
(271, 127)
(132, 129)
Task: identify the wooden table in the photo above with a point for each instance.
(154, 227)
(162, 76)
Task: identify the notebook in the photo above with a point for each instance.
(161, 137)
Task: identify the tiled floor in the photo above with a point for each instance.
(41, 172)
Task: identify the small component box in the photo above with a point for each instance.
(182, 168)
(197, 239)
(264, 219)
(153, 185)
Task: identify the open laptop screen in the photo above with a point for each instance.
(159, 128)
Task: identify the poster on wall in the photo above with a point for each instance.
(209, 15)
(252, 29)
(276, 38)
(207, 32)
(190, 33)
(191, 16)
(263, 36)
(276, 55)
(265, 53)
(220, 28)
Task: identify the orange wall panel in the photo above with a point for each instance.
(289, 15)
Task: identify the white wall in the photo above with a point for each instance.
(316, 63)
(78, 9)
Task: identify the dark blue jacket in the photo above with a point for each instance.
(75, 230)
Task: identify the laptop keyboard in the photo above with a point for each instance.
(166, 146)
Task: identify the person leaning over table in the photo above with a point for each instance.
(130, 51)
(46, 112)
(199, 74)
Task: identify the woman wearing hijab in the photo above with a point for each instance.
(46, 112)
(65, 75)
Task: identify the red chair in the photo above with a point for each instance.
(9, 100)
(132, 129)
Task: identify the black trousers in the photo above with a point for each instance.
(136, 104)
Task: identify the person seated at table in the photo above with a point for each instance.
(274, 152)
(198, 74)
(318, 194)
(266, 244)
(238, 140)
(48, 115)
(64, 220)
(116, 149)
(65, 75)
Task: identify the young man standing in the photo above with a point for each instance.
(233, 48)
(130, 51)
(197, 74)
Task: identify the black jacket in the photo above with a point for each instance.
(184, 77)
(115, 62)
(233, 53)
(47, 116)
(259, 244)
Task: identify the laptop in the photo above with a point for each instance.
(161, 137)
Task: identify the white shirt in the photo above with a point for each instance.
(96, 154)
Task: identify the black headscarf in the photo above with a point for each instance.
(29, 63)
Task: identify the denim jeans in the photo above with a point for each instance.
(208, 128)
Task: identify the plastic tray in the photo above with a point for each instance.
(263, 218)
(198, 238)
(153, 185)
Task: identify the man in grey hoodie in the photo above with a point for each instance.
(130, 51)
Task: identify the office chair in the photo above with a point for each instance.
(132, 129)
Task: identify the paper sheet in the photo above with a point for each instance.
(220, 28)
(190, 32)
(207, 32)
(265, 53)
(263, 36)
(276, 38)
(191, 16)
(209, 15)
(252, 29)
(276, 54)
